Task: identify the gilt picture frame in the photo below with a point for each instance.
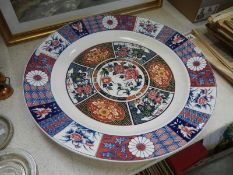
(23, 20)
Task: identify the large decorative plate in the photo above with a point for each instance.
(119, 88)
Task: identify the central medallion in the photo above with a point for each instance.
(120, 79)
(120, 83)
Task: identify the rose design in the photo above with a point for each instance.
(131, 74)
(120, 79)
(87, 89)
(106, 80)
(152, 95)
(118, 69)
(158, 100)
(123, 52)
(79, 90)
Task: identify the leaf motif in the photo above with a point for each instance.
(109, 88)
(122, 76)
(135, 89)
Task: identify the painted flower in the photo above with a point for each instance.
(152, 95)
(79, 90)
(147, 27)
(196, 63)
(109, 22)
(141, 147)
(202, 101)
(131, 74)
(37, 78)
(106, 80)
(41, 112)
(187, 131)
(160, 74)
(54, 43)
(118, 69)
(87, 89)
(158, 99)
(80, 137)
(201, 98)
(96, 55)
(106, 111)
(76, 137)
(123, 52)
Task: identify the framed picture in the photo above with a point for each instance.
(23, 20)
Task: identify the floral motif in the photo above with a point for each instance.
(184, 129)
(109, 22)
(131, 74)
(120, 78)
(54, 45)
(45, 111)
(106, 80)
(148, 27)
(97, 55)
(187, 131)
(159, 73)
(196, 63)
(37, 78)
(41, 112)
(141, 147)
(133, 51)
(152, 102)
(105, 111)
(80, 137)
(150, 106)
(116, 147)
(78, 82)
(201, 98)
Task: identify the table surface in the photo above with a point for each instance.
(52, 158)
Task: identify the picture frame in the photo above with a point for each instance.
(16, 29)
